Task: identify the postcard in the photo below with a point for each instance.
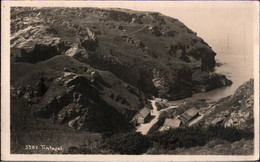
(130, 81)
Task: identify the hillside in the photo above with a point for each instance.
(61, 100)
(232, 135)
(236, 110)
(69, 91)
(77, 73)
(154, 53)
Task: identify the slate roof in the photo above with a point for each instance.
(184, 117)
(173, 123)
(192, 112)
(187, 115)
(144, 112)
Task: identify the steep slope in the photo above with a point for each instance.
(157, 54)
(236, 110)
(69, 92)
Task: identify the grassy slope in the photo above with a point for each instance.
(125, 58)
(27, 129)
(26, 74)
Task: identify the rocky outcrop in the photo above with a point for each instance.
(135, 42)
(33, 41)
(34, 44)
(76, 95)
(236, 110)
(157, 54)
(171, 84)
(204, 81)
(76, 52)
(91, 42)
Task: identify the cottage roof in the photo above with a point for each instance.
(187, 115)
(144, 112)
(184, 120)
(174, 123)
(192, 112)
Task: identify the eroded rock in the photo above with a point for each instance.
(236, 110)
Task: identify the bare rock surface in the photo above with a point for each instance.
(236, 110)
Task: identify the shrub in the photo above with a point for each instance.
(158, 105)
(188, 137)
(90, 147)
(197, 136)
(128, 143)
(136, 143)
(230, 134)
(74, 150)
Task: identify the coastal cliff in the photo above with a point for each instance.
(157, 54)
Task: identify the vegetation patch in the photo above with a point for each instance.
(197, 136)
(173, 139)
(128, 143)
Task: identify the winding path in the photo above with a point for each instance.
(144, 128)
(138, 30)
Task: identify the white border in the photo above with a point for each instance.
(5, 82)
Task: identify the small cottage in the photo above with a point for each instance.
(142, 116)
(172, 123)
(189, 115)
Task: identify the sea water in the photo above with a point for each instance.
(237, 65)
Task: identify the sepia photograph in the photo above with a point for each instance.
(130, 78)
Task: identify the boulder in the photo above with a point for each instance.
(76, 52)
(90, 43)
(69, 112)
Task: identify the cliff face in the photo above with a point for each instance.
(154, 53)
(236, 110)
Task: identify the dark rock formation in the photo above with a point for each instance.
(80, 97)
(35, 53)
(204, 81)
